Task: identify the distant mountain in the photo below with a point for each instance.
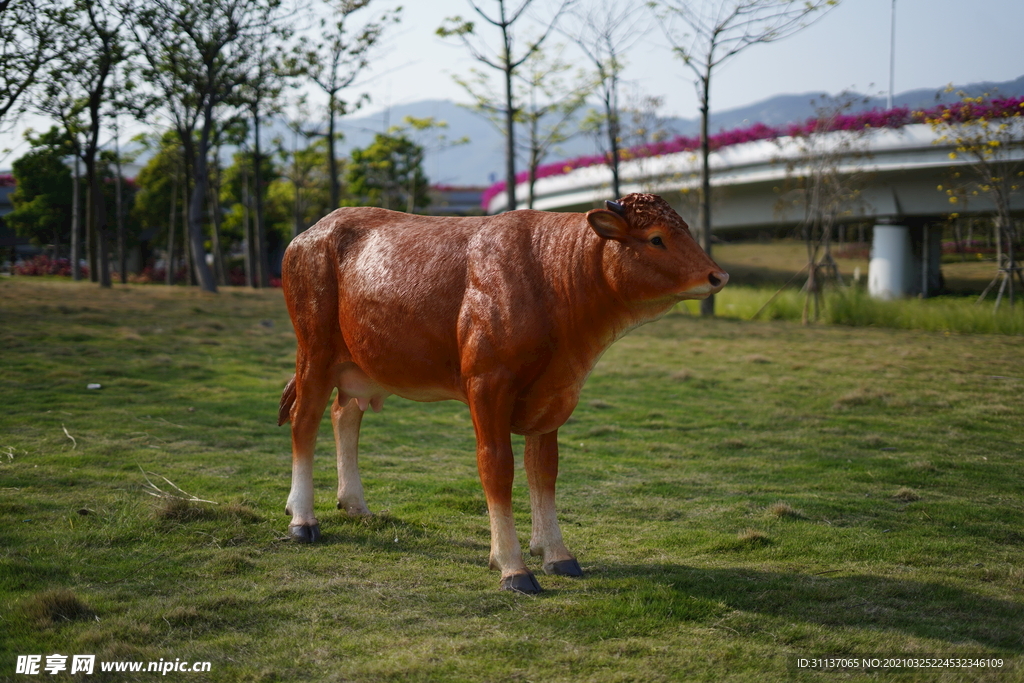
(482, 160)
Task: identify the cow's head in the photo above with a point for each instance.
(656, 256)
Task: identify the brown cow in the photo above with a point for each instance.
(507, 314)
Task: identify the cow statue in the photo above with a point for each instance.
(506, 313)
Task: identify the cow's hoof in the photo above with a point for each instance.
(305, 533)
(568, 567)
(521, 583)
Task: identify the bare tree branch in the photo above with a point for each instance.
(705, 34)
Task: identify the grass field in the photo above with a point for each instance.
(738, 494)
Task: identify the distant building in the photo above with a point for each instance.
(453, 200)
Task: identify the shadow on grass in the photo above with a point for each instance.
(918, 609)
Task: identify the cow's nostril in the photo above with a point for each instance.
(714, 280)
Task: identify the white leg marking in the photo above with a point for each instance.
(346, 422)
(300, 499)
(506, 553)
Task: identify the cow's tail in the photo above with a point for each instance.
(284, 413)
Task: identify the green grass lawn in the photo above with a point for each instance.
(737, 493)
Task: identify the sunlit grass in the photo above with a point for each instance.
(738, 493)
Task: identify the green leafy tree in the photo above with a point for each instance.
(30, 37)
(197, 56)
(77, 93)
(344, 48)
(157, 183)
(238, 201)
(388, 173)
(42, 198)
(305, 179)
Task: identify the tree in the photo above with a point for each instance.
(237, 197)
(42, 197)
(989, 134)
(30, 36)
(549, 109)
(76, 93)
(159, 198)
(197, 55)
(705, 34)
(261, 95)
(822, 188)
(343, 55)
(388, 173)
(604, 32)
(506, 59)
(305, 169)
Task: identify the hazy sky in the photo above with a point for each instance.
(937, 42)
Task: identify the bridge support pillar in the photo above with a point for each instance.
(888, 271)
(905, 261)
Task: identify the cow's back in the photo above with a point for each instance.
(381, 288)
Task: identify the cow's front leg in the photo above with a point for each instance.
(541, 462)
(311, 395)
(489, 405)
(346, 418)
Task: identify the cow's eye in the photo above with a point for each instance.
(657, 241)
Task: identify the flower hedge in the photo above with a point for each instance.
(960, 112)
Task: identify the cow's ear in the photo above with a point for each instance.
(608, 224)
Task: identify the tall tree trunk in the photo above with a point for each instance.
(332, 159)
(214, 204)
(98, 214)
(612, 112)
(510, 141)
(90, 231)
(103, 243)
(197, 204)
(186, 251)
(122, 258)
(250, 238)
(707, 306)
(296, 205)
(76, 225)
(534, 161)
(262, 259)
(169, 259)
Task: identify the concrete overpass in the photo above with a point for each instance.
(899, 170)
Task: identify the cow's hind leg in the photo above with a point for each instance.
(540, 458)
(312, 391)
(346, 418)
(491, 420)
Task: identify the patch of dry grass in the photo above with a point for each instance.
(906, 495)
(782, 510)
(55, 606)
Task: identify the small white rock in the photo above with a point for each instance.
(93, 386)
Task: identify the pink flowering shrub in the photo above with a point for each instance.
(41, 264)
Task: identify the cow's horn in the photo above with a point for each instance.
(616, 207)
